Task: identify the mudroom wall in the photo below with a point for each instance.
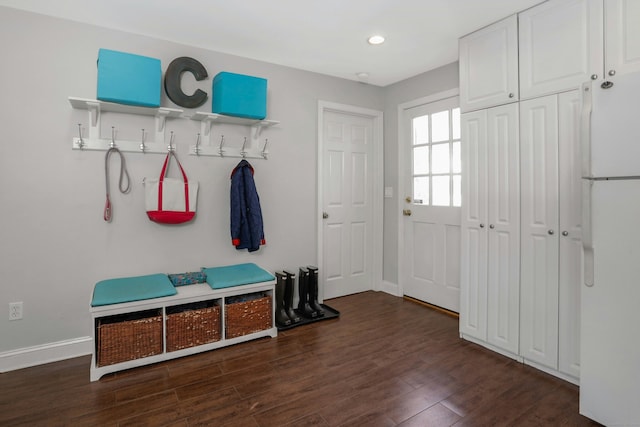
(55, 243)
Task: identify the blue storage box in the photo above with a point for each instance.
(129, 79)
(239, 95)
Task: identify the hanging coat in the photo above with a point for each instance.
(246, 215)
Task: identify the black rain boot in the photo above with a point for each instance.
(303, 291)
(313, 290)
(282, 319)
(288, 297)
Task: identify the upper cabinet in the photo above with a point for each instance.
(622, 41)
(489, 66)
(561, 46)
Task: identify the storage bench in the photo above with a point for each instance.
(196, 319)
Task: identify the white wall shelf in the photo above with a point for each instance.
(94, 142)
(186, 294)
(251, 148)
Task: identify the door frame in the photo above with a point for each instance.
(377, 175)
(403, 163)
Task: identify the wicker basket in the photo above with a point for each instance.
(242, 318)
(193, 327)
(128, 337)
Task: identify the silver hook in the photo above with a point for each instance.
(113, 137)
(220, 150)
(170, 147)
(264, 149)
(242, 152)
(197, 149)
(142, 146)
(81, 142)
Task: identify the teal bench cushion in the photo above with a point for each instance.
(127, 289)
(236, 275)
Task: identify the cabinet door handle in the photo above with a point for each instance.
(481, 225)
(491, 226)
(511, 95)
(612, 72)
(325, 215)
(406, 212)
(550, 232)
(565, 233)
(594, 77)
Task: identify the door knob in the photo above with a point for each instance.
(565, 233)
(407, 199)
(406, 212)
(325, 215)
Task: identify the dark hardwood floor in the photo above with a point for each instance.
(385, 362)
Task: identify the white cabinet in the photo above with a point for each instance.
(622, 37)
(489, 66)
(560, 46)
(551, 262)
(490, 228)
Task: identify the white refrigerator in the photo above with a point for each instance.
(610, 324)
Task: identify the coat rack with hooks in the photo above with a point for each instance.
(94, 142)
(208, 145)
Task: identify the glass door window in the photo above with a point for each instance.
(436, 158)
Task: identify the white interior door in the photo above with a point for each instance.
(347, 203)
(431, 264)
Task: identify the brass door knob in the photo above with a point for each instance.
(406, 212)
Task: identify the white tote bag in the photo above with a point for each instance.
(171, 200)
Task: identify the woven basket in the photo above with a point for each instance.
(122, 340)
(246, 317)
(193, 327)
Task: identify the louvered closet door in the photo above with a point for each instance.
(539, 261)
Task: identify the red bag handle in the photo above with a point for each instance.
(163, 174)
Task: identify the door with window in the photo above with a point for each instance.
(430, 269)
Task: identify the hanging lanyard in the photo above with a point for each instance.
(108, 210)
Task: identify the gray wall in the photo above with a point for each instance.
(54, 244)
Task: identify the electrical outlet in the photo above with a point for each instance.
(15, 310)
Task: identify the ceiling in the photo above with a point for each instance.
(323, 36)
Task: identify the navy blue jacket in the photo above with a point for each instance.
(246, 215)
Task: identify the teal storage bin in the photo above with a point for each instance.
(129, 79)
(239, 95)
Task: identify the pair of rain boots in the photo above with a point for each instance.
(308, 291)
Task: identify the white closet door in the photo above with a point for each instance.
(504, 227)
(489, 66)
(570, 280)
(539, 262)
(561, 46)
(473, 280)
(622, 37)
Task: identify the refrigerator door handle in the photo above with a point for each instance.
(587, 235)
(585, 128)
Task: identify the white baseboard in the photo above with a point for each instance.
(390, 288)
(46, 353)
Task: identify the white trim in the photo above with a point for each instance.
(378, 183)
(390, 288)
(401, 169)
(46, 353)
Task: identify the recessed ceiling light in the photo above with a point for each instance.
(377, 39)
